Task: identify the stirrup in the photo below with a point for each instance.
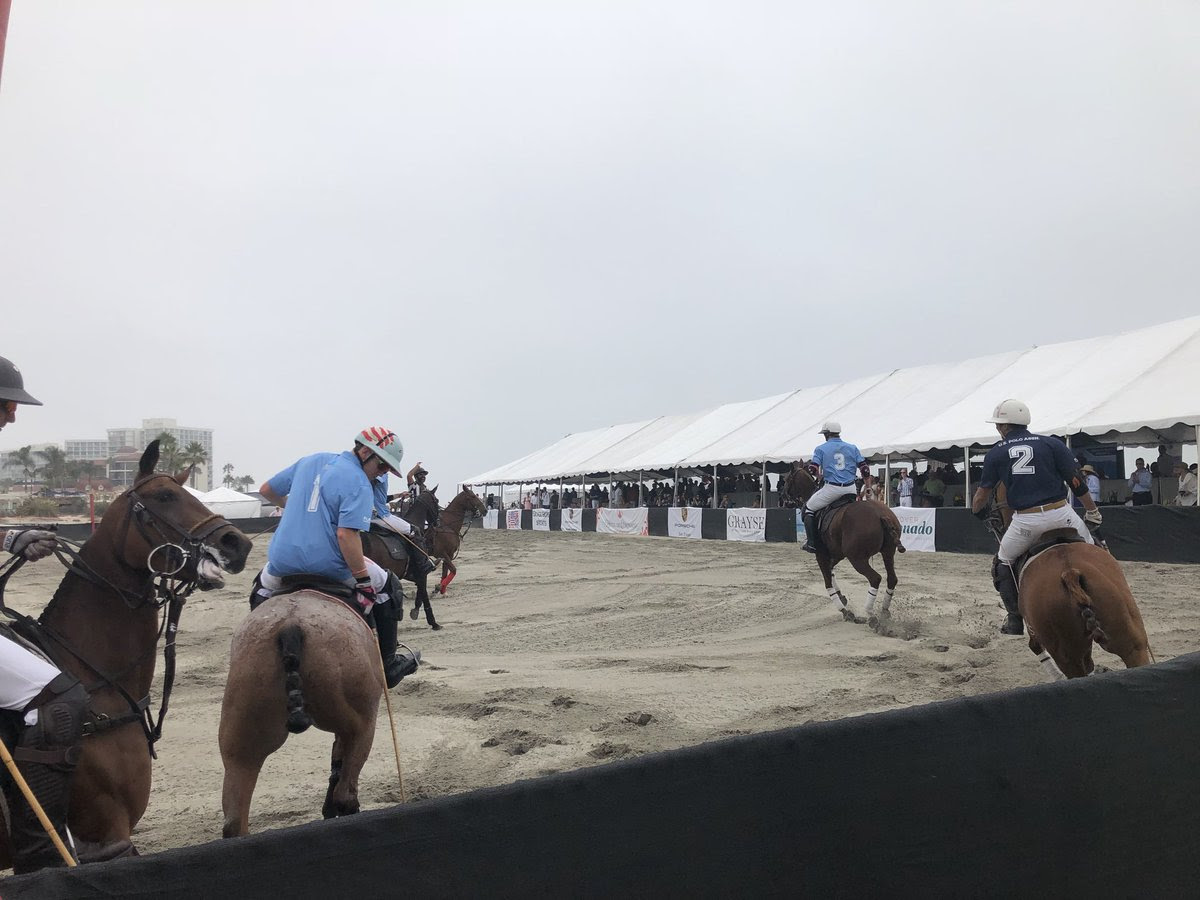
(400, 666)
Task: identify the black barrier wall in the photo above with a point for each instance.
(1074, 789)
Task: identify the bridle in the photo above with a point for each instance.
(163, 588)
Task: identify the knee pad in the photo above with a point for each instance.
(57, 736)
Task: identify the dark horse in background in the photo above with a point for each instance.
(154, 545)
(856, 531)
(448, 533)
(390, 551)
(1072, 594)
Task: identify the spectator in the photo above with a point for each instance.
(1139, 484)
(527, 503)
(904, 488)
(935, 490)
(1187, 485)
(1093, 483)
(1166, 462)
(594, 496)
(554, 499)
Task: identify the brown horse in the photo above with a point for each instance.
(423, 515)
(154, 545)
(298, 659)
(1073, 595)
(448, 534)
(856, 531)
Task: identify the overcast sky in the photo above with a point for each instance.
(486, 225)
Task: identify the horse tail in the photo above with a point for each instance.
(290, 641)
(891, 528)
(1073, 582)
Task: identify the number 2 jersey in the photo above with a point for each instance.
(1033, 467)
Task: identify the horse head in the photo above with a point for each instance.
(427, 501)
(475, 506)
(157, 526)
(798, 484)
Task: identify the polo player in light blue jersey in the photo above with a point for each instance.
(837, 461)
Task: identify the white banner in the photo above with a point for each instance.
(572, 520)
(801, 531)
(491, 518)
(684, 521)
(622, 521)
(512, 519)
(746, 524)
(917, 527)
(541, 520)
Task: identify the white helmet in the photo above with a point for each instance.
(831, 427)
(384, 444)
(1010, 412)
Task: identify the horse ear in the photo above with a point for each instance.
(183, 476)
(149, 459)
(433, 490)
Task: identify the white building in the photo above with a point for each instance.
(123, 443)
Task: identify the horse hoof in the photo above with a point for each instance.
(436, 627)
(873, 622)
(850, 617)
(414, 612)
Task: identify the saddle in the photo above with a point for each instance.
(397, 547)
(1050, 539)
(825, 517)
(322, 585)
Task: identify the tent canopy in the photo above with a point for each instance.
(1138, 387)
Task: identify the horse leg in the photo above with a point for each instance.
(862, 565)
(236, 791)
(423, 597)
(351, 752)
(826, 564)
(889, 566)
(448, 573)
(1047, 661)
(328, 810)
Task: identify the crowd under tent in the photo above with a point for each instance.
(1135, 388)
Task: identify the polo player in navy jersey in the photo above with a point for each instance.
(1033, 469)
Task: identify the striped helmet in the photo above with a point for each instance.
(384, 444)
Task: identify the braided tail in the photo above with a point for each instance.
(1072, 581)
(290, 641)
(891, 527)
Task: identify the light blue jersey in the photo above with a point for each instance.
(379, 487)
(839, 461)
(325, 491)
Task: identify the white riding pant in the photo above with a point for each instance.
(1026, 528)
(393, 523)
(827, 493)
(906, 501)
(22, 677)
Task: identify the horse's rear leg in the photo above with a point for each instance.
(350, 754)
(236, 792)
(448, 573)
(862, 565)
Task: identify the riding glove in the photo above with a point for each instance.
(31, 543)
(1093, 517)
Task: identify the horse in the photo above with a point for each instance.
(856, 531)
(1073, 594)
(154, 545)
(298, 659)
(448, 534)
(423, 514)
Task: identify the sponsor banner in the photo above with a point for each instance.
(745, 524)
(623, 521)
(541, 520)
(491, 518)
(684, 521)
(512, 519)
(917, 527)
(572, 520)
(801, 531)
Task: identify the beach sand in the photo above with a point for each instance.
(569, 650)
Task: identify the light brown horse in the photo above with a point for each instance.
(448, 534)
(103, 626)
(856, 531)
(1073, 595)
(298, 659)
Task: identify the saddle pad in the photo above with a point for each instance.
(8, 631)
(392, 541)
(1048, 541)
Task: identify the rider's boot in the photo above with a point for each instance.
(47, 754)
(810, 531)
(1006, 585)
(418, 561)
(396, 666)
(258, 593)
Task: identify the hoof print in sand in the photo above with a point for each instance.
(639, 718)
(517, 741)
(609, 750)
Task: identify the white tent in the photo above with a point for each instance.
(1138, 387)
(232, 504)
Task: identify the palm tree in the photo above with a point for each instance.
(228, 470)
(246, 481)
(57, 468)
(194, 455)
(87, 469)
(24, 459)
(170, 460)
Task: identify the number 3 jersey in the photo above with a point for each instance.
(1033, 467)
(839, 461)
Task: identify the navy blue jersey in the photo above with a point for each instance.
(1033, 467)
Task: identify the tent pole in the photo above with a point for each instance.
(764, 485)
(967, 477)
(675, 490)
(714, 496)
(887, 479)
(641, 478)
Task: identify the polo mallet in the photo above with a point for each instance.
(21, 783)
(392, 720)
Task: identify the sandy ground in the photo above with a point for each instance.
(568, 650)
